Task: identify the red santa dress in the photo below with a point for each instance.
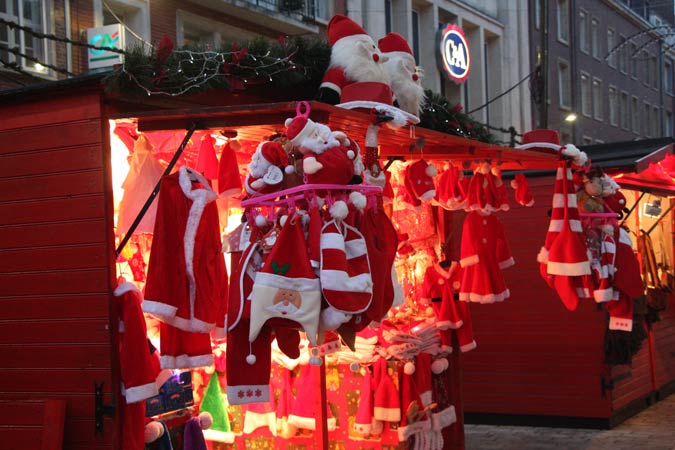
(484, 253)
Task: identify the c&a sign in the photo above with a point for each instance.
(109, 36)
(455, 58)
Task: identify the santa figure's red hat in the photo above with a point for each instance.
(286, 286)
(419, 180)
(229, 180)
(207, 162)
(340, 27)
(301, 126)
(274, 154)
(303, 413)
(396, 44)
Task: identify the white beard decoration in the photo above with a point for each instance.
(405, 82)
(357, 55)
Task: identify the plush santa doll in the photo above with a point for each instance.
(405, 77)
(354, 58)
(266, 169)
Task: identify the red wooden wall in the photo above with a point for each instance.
(534, 356)
(55, 259)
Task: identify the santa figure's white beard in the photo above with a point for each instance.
(258, 167)
(408, 92)
(289, 310)
(355, 58)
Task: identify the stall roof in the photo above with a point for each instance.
(257, 122)
(644, 165)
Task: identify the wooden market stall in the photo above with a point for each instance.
(58, 264)
(542, 364)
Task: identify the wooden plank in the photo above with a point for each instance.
(51, 160)
(41, 356)
(74, 331)
(67, 134)
(47, 111)
(66, 306)
(53, 282)
(53, 210)
(25, 437)
(63, 185)
(87, 256)
(80, 432)
(53, 234)
(53, 423)
(57, 380)
(79, 405)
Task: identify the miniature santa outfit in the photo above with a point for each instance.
(405, 79)
(523, 195)
(386, 405)
(364, 415)
(303, 412)
(144, 173)
(266, 169)
(207, 162)
(419, 181)
(484, 254)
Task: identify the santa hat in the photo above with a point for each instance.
(419, 182)
(386, 406)
(207, 162)
(301, 126)
(303, 413)
(286, 286)
(341, 26)
(229, 180)
(214, 404)
(364, 414)
(423, 377)
(346, 280)
(523, 195)
(396, 45)
(447, 314)
(541, 138)
(412, 422)
(275, 154)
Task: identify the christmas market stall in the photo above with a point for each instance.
(236, 269)
(555, 357)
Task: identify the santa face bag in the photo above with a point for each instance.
(286, 286)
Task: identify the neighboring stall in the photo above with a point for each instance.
(541, 364)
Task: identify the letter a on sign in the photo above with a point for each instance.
(455, 58)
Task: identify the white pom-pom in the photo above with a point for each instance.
(358, 200)
(289, 169)
(251, 359)
(351, 154)
(260, 221)
(153, 431)
(283, 219)
(331, 318)
(205, 420)
(514, 184)
(339, 210)
(409, 368)
(431, 170)
(439, 365)
(288, 122)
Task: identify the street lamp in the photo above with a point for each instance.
(571, 118)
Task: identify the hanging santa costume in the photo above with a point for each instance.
(187, 279)
(303, 413)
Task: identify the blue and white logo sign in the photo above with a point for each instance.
(455, 56)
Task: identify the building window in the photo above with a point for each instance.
(611, 51)
(583, 31)
(647, 118)
(647, 68)
(564, 84)
(597, 99)
(585, 94)
(133, 14)
(633, 61)
(656, 122)
(537, 14)
(613, 107)
(416, 36)
(655, 72)
(668, 131)
(635, 116)
(586, 140)
(563, 16)
(199, 32)
(623, 110)
(623, 54)
(668, 76)
(30, 14)
(323, 9)
(387, 16)
(595, 38)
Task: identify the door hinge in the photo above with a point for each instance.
(606, 384)
(100, 408)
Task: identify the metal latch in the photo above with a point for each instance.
(101, 409)
(606, 384)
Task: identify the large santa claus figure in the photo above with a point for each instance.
(404, 76)
(354, 58)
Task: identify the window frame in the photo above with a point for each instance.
(584, 36)
(613, 109)
(46, 25)
(596, 45)
(585, 94)
(568, 105)
(668, 76)
(623, 110)
(635, 117)
(597, 103)
(611, 59)
(563, 38)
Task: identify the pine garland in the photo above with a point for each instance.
(438, 114)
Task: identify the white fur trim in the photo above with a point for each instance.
(226, 437)
(338, 280)
(185, 361)
(247, 393)
(404, 433)
(556, 225)
(603, 295)
(469, 261)
(309, 423)
(559, 200)
(444, 418)
(387, 414)
(428, 195)
(448, 324)
(139, 393)
(331, 86)
(282, 282)
(507, 263)
(399, 117)
(568, 269)
(487, 298)
(539, 144)
(616, 323)
(362, 428)
(468, 347)
(159, 310)
(254, 420)
(124, 288)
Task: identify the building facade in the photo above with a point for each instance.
(497, 35)
(610, 63)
